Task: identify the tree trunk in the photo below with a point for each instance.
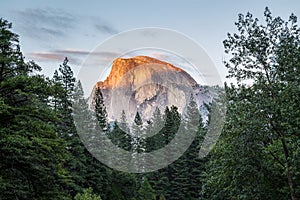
(289, 173)
(287, 162)
(291, 184)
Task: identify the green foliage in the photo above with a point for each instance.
(37, 115)
(124, 186)
(154, 128)
(162, 197)
(181, 179)
(64, 84)
(138, 142)
(87, 195)
(255, 158)
(146, 192)
(120, 138)
(100, 110)
(120, 133)
(31, 153)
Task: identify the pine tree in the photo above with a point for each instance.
(196, 165)
(138, 145)
(96, 175)
(162, 197)
(154, 129)
(76, 163)
(100, 110)
(137, 132)
(66, 81)
(182, 168)
(31, 155)
(124, 186)
(163, 179)
(123, 123)
(87, 195)
(120, 133)
(120, 138)
(161, 183)
(146, 192)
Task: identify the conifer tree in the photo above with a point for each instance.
(96, 175)
(154, 129)
(31, 155)
(100, 110)
(146, 192)
(137, 132)
(64, 83)
(87, 195)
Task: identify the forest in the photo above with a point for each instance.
(256, 157)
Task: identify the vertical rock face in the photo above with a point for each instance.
(143, 83)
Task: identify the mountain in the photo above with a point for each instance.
(121, 66)
(143, 83)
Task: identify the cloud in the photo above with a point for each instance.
(103, 26)
(44, 23)
(160, 55)
(106, 28)
(53, 23)
(85, 53)
(76, 56)
(46, 56)
(72, 52)
(52, 32)
(50, 57)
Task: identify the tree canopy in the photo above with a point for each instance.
(256, 157)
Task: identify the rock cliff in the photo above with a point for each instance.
(143, 83)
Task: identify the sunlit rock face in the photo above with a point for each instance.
(143, 83)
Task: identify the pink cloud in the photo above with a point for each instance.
(46, 56)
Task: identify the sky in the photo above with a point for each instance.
(52, 30)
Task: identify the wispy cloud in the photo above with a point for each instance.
(161, 56)
(106, 28)
(52, 57)
(74, 52)
(46, 56)
(85, 53)
(44, 23)
(76, 56)
(54, 23)
(103, 26)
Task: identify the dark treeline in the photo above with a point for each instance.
(256, 156)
